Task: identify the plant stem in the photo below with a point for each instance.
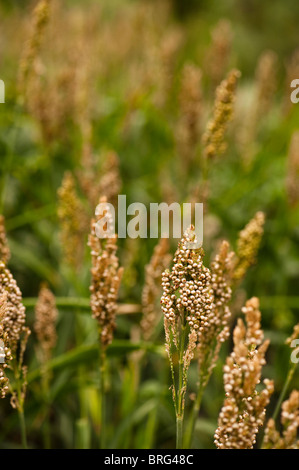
(181, 392)
(284, 390)
(193, 417)
(22, 427)
(179, 432)
(102, 397)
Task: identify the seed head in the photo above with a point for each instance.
(213, 138)
(248, 245)
(4, 249)
(106, 277)
(243, 411)
(72, 221)
(45, 320)
(290, 426)
(153, 273)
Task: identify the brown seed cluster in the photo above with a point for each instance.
(213, 138)
(219, 52)
(4, 249)
(153, 273)
(290, 426)
(45, 322)
(103, 179)
(106, 278)
(40, 17)
(5, 353)
(294, 335)
(72, 221)
(188, 129)
(243, 411)
(292, 181)
(216, 331)
(187, 294)
(187, 305)
(265, 83)
(248, 244)
(13, 320)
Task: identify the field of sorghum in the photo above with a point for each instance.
(146, 343)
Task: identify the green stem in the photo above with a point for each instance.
(179, 432)
(284, 390)
(46, 426)
(193, 417)
(181, 392)
(22, 427)
(102, 398)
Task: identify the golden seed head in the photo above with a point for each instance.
(72, 219)
(214, 136)
(45, 321)
(289, 423)
(248, 245)
(4, 248)
(188, 128)
(40, 17)
(106, 277)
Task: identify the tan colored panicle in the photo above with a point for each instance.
(40, 17)
(290, 426)
(214, 137)
(244, 408)
(187, 301)
(292, 180)
(219, 51)
(14, 332)
(45, 321)
(110, 182)
(96, 180)
(294, 335)
(5, 353)
(216, 330)
(265, 83)
(106, 277)
(188, 127)
(153, 274)
(72, 220)
(4, 248)
(248, 244)
(13, 320)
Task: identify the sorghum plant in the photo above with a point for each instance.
(215, 331)
(153, 273)
(247, 245)
(45, 329)
(4, 249)
(106, 277)
(72, 217)
(187, 304)
(213, 138)
(290, 425)
(244, 407)
(15, 335)
(40, 17)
